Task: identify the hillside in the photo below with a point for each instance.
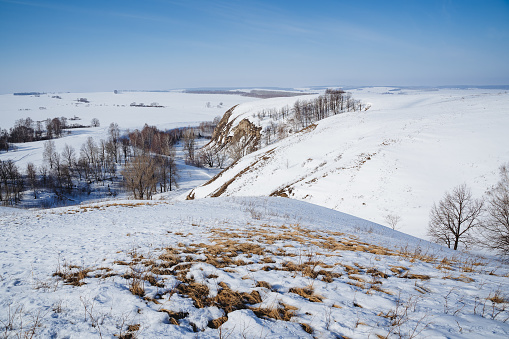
(398, 157)
(256, 267)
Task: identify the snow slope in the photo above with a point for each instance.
(396, 158)
(337, 275)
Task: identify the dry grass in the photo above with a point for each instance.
(461, 277)
(307, 293)
(216, 323)
(174, 317)
(415, 276)
(497, 298)
(137, 284)
(72, 274)
(307, 328)
(278, 312)
(288, 248)
(263, 284)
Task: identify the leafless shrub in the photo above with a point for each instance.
(400, 318)
(96, 319)
(392, 220)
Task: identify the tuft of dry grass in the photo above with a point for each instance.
(497, 298)
(196, 291)
(415, 276)
(263, 284)
(279, 312)
(461, 277)
(307, 328)
(307, 293)
(376, 273)
(72, 274)
(216, 323)
(174, 317)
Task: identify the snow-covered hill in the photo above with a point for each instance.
(259, 267)
(272, 267)
(396, 158)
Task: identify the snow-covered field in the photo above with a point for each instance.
(261, 267)
(397, 158)
(180, 110)
(266, 267)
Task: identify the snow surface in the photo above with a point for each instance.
(451, 302)
(398, 157)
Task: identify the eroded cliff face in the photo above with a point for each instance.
(222, 129)
(243, 136)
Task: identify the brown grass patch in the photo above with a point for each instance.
(398, 269)
(462, 278)
(263, 284)
(73, 275)
(307, 293)
(376, 273)
(174, 317)
(497, 298)
(307, 328)
(216, 323)
(415, 276)
(350, 269)
(198, 292)
(356, 284)
(280, 312)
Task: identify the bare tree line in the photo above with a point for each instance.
(306, 112)
(142, 160)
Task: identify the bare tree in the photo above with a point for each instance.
(455, 217)
(189, 145)
(49, 154)
(95, 122)
(495, 230)
(140, 176)
(32, 177)
(69, 156)
(114, 138)
(221, 158)
(392, 220)
(207, 156)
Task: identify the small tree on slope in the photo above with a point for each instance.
(456, 215)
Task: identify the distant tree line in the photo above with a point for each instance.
(29, 93)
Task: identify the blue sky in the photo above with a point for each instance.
(103, 45)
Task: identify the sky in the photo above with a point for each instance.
(102, 45)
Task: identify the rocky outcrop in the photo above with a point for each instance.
(242, 137)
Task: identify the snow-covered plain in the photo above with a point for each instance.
(396, 158)
(180, 110)
(323, 273)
